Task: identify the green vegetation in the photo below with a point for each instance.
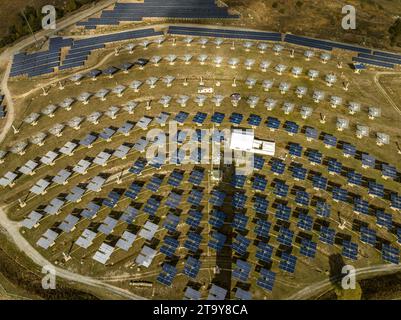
(34, 18)
(395, 33)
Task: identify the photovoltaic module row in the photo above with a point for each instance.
(188, 9)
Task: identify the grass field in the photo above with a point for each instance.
(120, 269)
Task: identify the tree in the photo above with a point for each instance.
(71, 5)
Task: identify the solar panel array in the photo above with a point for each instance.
(131, 12)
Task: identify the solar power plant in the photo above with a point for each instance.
(168, 159)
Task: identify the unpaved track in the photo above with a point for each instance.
(13, 230)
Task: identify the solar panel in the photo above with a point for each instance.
(288, 262)
(264, 252)
(281, 189)
(193, 241)
(217, 241)
(305, 222)
(239, 200)
(194, 218)
(171, 222)
(291, 127)
(217, 218)
(277, 166)
(195, 197)
(350, 250)
(266, 279)
(154, 184)
(323, 209)
(169, 246)
(175, 178)
(376, 189)
(259, 183)
(242, 270)
(308, 248)
(384, 219)
(217, 198)
(192, 267)
(285, 236)
(295, 149)
(390, 254)
(240, 221)
(319, 182)
(283, 212)
(260, 204)
(368, 235)
(167, 274)
(395, 201)
(302, 198)
(368, 161)
(361, 206)
(327, 235)
(133, 190)
(173, 200)
(151, 206)
(238, 181)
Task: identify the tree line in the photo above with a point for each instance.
(34, 17)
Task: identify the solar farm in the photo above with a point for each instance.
(77, 176)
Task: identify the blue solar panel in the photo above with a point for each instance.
(200, 117)
(238, 181)
(258, 162)
(217, 241)
(291, 127)
(396, 201)
(264, 252)
(277, 166)
(266, 279)
(283, 212)
(305, 222)
(368, 235)
(217, 117)
(259, 183)
(295, 149)
(308, 248)
(173, 200)
(217, 198)
(169, 246)
(334, 166)
(154, 184)
(192, 267)
(241, 244)
(196, 177)
(340, 194)
(175, 178)
(133, 190)
(151, 206)
(181, 117)
(138, 166)
(319, 182)
(389, 60)
(302, 198)
(254, 120)
(288, 262)
(112, 199)
(167, 274)
(376, 189)
(323, 209)
(236, 118)
(390, 254)
(281, 189)
(350, 250)
(193, 241)
(273, 123)
(194, 218)
(195, 197)
(242, 270)
(298, 172)
(285, 236)
(327, 235)
(315, 157)
(240, 221)
(373, 62)
(260, 204)
(354, 178)
(217, 218)
(361, 206)
(171, 222)
(389, 171)
(368, 160)
(311, 133)
(349, 150)
(330, 140)
(384, 219)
